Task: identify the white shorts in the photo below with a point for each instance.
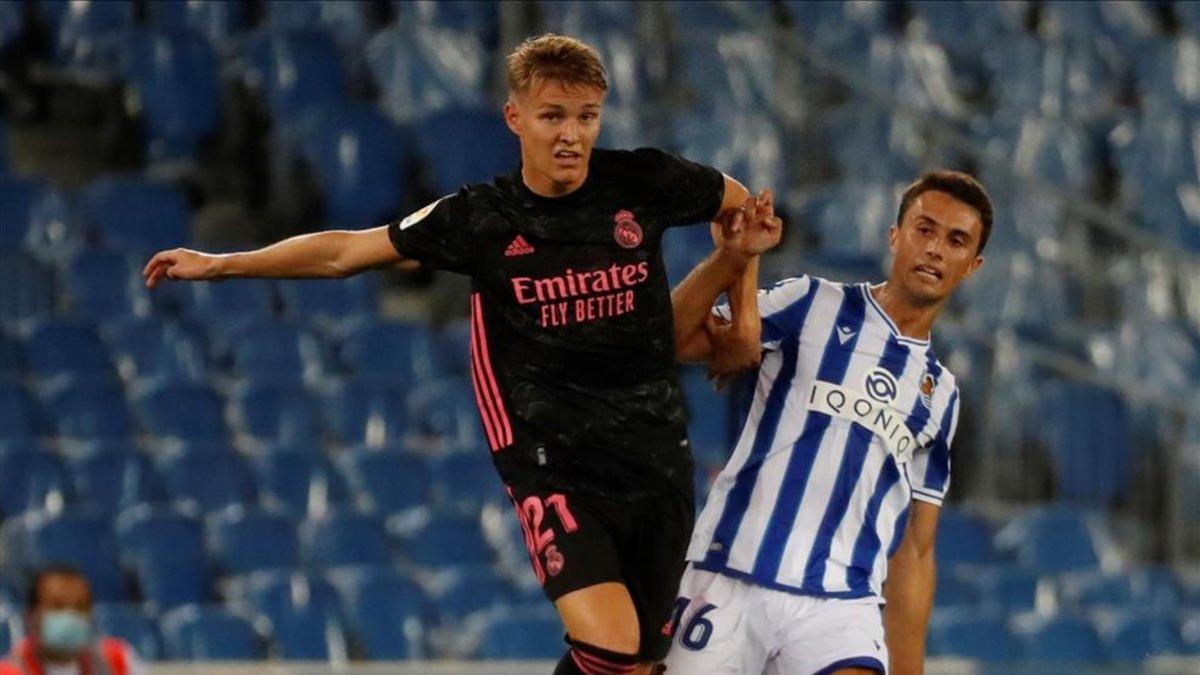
(730, 627)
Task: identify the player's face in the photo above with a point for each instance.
(935, 247)
(558, 125)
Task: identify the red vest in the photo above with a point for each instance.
(113, 651)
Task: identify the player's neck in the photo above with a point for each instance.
(542, 185)
(913, 319)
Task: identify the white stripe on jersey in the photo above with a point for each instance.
(813, 500)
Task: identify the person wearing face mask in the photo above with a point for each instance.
(61, 639)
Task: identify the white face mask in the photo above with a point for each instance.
(65, 631)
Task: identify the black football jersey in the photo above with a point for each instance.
(572, 343)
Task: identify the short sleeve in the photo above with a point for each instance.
(929, 471)
(438, 235)
(683, 191)
(781, 308)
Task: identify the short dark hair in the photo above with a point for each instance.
(959, 185)
(33, 591)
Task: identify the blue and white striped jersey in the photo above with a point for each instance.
(850, 422)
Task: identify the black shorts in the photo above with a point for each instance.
(577, 540)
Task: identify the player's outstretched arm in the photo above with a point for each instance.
(912, 576)
(334, 254)
(692, 300)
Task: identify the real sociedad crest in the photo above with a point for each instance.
(927, 385)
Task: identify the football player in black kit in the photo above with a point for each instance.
(572, 346)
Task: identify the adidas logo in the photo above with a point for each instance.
(518, 247)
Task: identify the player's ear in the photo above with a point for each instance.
(973, 267)
(893, 238)
(512, 116)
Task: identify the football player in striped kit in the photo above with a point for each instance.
(814, 552)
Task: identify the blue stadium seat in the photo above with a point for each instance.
(445, 411)
(480, 19)
(347, 22)
(359, 159)
(153, 348)
(181, 410)
(26, 288)
(236, 300)
(88, 31)
(523, 635)
(164, 547)
(1136, 635)
(464, 480)
(276, 350)
(951, 24)
(210, 633)
(753, 146)
(452, 350)
(708, 417)
(1188, 15)
(216, 21)
(388, 481)
(330, 300)
(67, 348)
(384, 611)
(12, 356)
(1089, 436)
(448, 539)
(294, 70)
(1060, 639)
(1093, 589)
(32, 479)
(467, 590)
(86, 409)
(952, 591)
(20, 197)
(972, 635)
(368, 413)
(277, 412)
(101, 285)
(8, 622)
(413, 84)
(210, 479)
(20, 415)
(135, 214)
(708, 18)
(176, 78)
(108, 480)
(131, 624)
(1007, 587)
(1128, 26)
(963, 538)
(82, 540)
(464, 146)
(344, 538)
(393, 350)
(244, 539)
(303, 609)
(1157, 588)
(300, 482)
(1051, 540)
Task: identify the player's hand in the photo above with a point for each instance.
(179, 263)
(753, 228)
(732, 352)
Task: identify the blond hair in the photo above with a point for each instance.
(555, 57)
